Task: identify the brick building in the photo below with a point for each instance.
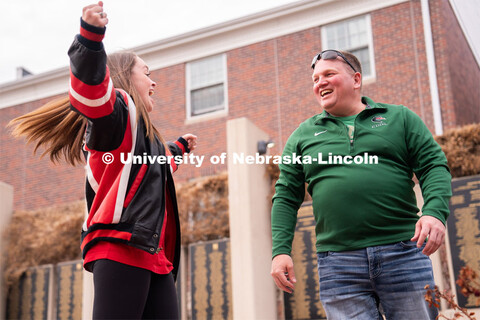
(413, 53)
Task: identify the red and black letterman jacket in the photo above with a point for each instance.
(126, 202)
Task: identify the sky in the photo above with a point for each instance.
(36, 34)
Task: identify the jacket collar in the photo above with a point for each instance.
(370, 104)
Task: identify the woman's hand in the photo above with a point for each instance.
(94, 15)
(192, 141)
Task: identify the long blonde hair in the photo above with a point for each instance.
(55, 127)
(61, 130)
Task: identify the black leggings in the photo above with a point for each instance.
(126, 292)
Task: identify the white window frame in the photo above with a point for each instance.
(371, 51)
(213, 114)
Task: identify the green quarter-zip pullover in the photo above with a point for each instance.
(361, 185)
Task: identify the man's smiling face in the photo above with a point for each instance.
(334, 84)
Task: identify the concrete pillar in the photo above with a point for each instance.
(87, 291)
(87, 295)
(253, 289)
(6, 210)
(182, 277)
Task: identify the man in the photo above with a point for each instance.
(371, 244)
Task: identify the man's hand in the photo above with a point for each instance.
(434, 229)
(283, 274)
(93, 15)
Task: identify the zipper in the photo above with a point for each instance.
(346, 131)
(354, 133)
(349, 141)
(355, 129)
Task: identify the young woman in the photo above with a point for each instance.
(131, 237)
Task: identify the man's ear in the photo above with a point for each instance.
(357, 80)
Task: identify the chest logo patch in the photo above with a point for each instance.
(317, 133)
(379, 121)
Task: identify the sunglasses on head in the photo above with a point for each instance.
(330, 55)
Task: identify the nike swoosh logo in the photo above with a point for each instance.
(317, 133)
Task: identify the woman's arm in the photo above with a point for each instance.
(92, 93)
(91, 89)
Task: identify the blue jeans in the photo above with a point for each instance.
(354, 284)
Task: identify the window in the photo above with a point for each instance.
(206, 86)
(353, 35)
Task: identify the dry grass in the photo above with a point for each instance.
(462, 148)
(48, 235)
(203, 208)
